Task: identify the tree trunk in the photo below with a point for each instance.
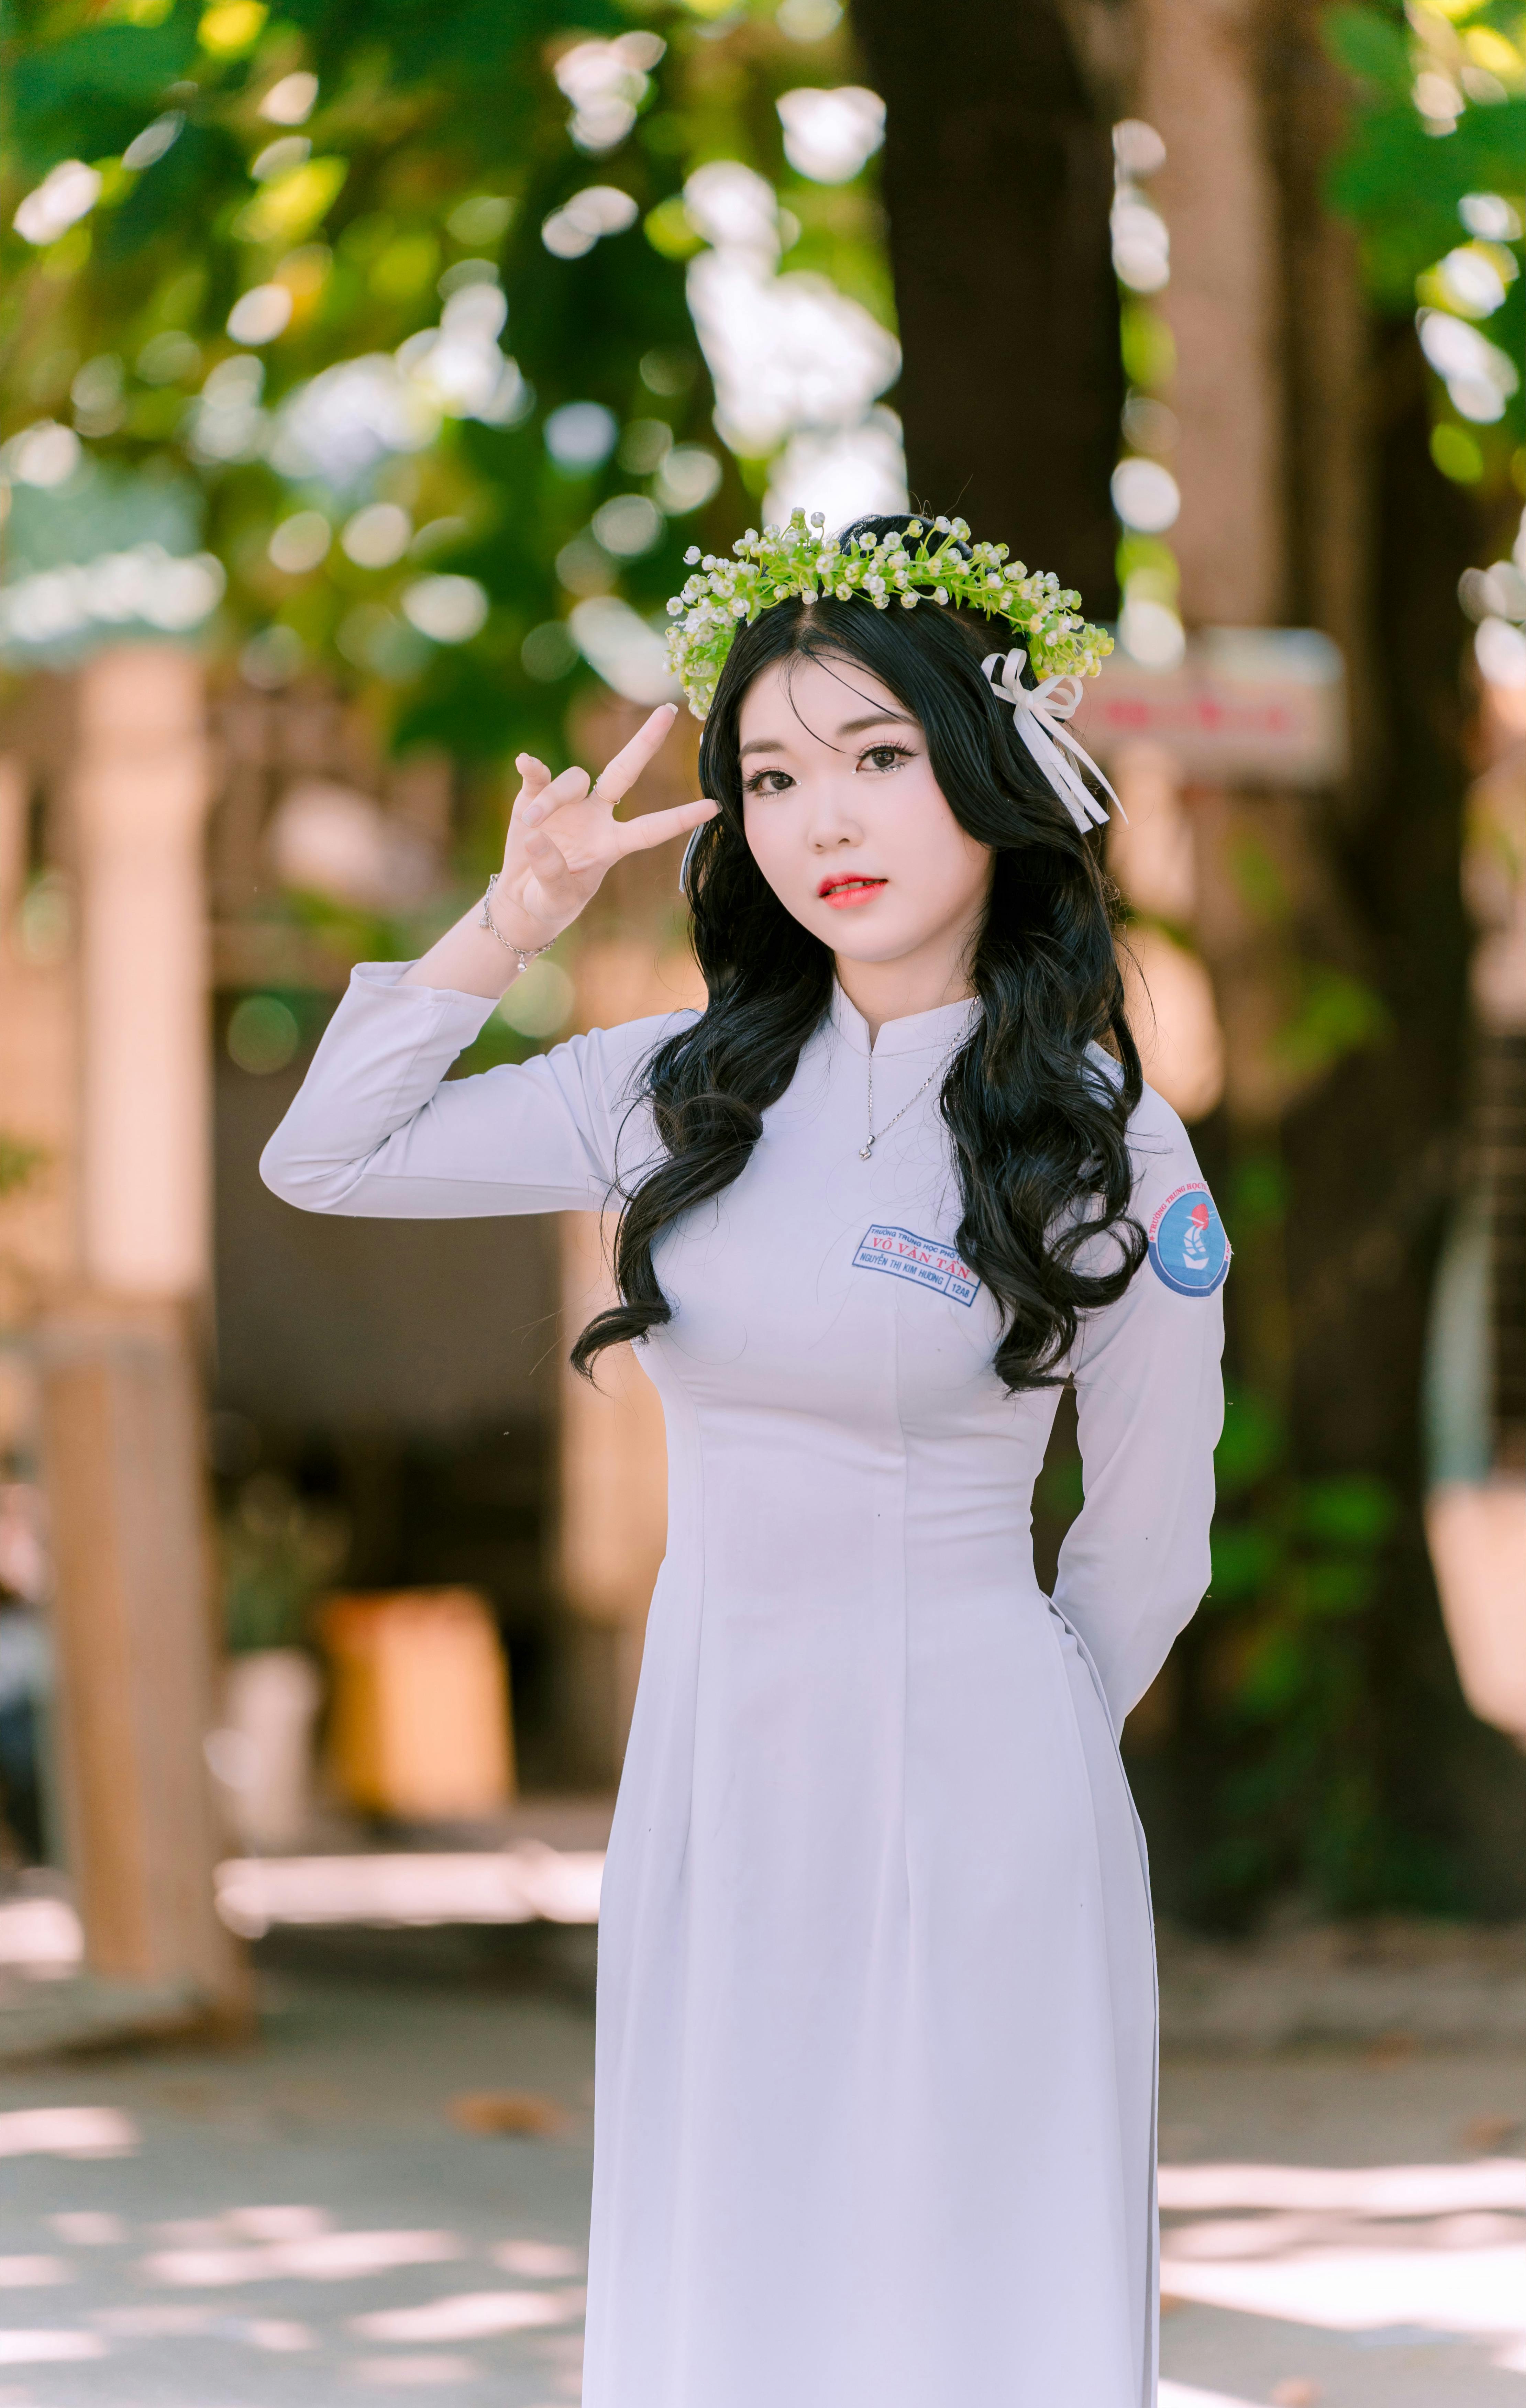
(997, 174)
(1377, 1156)
(1323, 1745)
(1378, 542)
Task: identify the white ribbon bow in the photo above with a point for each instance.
(1038, 715)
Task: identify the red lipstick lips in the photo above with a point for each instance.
(843, 892)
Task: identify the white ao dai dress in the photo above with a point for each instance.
(876, 2041)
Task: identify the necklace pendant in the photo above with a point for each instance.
(865, 1151)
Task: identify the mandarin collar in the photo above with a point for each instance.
(919, 1032)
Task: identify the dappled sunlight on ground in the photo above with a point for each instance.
(1286, 2284)
(1354, 2249)
(389, 2195)
(307, 2220)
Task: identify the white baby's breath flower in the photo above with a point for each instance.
(800, 560)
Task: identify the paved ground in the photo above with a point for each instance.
(321, 2219)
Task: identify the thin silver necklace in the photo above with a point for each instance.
(874, 1134)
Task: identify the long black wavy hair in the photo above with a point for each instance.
(1039, 1131)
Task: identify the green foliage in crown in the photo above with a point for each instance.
(926, 562)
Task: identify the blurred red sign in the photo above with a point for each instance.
(1247, 706)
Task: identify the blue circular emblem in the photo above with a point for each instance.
(1189, 1248)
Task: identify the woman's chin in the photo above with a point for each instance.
(865, 935)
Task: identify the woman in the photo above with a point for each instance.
(876, 2013)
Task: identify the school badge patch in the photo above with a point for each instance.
(1190, 1250)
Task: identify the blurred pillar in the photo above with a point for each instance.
(613, 1506)
(121, 1379)
(122, 1427)
(1201, 87)
(141, 791)
(613, 1452)
(38, 1056)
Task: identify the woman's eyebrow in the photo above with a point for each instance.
(876, 718)
(848, 727)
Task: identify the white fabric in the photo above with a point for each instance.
(1039, 713)
(876, 2013)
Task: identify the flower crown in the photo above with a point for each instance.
(931, 561)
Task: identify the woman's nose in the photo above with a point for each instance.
(833, 824)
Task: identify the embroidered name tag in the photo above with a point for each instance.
(1189, 1248)
(907, 1256)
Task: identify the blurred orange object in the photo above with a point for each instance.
(419, 1725)
(493, 2112)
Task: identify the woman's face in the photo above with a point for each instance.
(845, 819)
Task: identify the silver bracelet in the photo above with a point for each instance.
(487, 921)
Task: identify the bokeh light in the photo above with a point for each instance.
(263, 1034)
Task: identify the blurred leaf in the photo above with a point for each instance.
(1258, 1196)
(59, 89)
(1259, 878)
(1402, 184)
(277, 1552)
(1336, 1015)
(1060, 1487)
(421, 115)
(1273, 1674)
(1354, 1511)
(1403, 178)
(1245, 1559)
(1251, 1444)
(20, 1163)
(671, 231)
(291, 205)
(1150, 349)
(1372, 44)
(1319, 1591)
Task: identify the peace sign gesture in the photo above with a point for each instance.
(563, 836)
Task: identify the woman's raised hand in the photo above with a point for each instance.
(563, 835)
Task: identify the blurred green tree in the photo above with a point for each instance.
(398, 297)
(1430, 175)
(1322, 1709)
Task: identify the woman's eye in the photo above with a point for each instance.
(769, 781)
(884, 756)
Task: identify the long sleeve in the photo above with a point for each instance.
(376, 1130)
(1150, 1406)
